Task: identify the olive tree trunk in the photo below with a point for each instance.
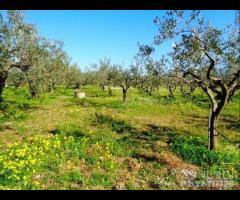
(124, 95)
(109, 90)
(102, 87)
(215, 111)
(170, 90)
(3, 78)
(212, 127)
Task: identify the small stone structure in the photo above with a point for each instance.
(79, 95)
(82, 95)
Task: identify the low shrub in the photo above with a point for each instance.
(193, 150)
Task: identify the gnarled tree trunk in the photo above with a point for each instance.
(109, 90)
(124, 95)
(102, 87)
(215, 111)
(3, 78)
(212, 127)
(170, 90)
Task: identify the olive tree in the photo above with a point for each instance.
(123, 78)
(156, 73)
(90, 75)
(57, 64)
(153, 78)
(171, 84)
(17, 45)
(103, 75)
(112, 72)
(186, 88)
(204, 55)
(73, 76)
(49, 69)
(147, 74)
(15, 78)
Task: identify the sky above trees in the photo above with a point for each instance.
(90, 35)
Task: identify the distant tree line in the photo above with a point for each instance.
(27, 58)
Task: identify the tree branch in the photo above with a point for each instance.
(213, 88)
(23, 67)
(210, 67)
(121, 85)
(191, 81)
(235, 81)
(231, 93)
(211, 96)
(197, 78)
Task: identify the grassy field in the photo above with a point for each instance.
(59, 142)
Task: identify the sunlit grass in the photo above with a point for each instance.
(104, 144)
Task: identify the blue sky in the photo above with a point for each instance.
(90, 35)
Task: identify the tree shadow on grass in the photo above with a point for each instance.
(152, 132)
(139, 139)
(99, 94)
(148, 158)
(119, 126)
(232, 123)
(74, 133)
(201, 102)
(117, 104)
(64, 91)
(24, 106)
(12, 110)
(234, 126)
(88, 102)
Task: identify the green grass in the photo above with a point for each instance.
(102, 144)
(193, 150)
